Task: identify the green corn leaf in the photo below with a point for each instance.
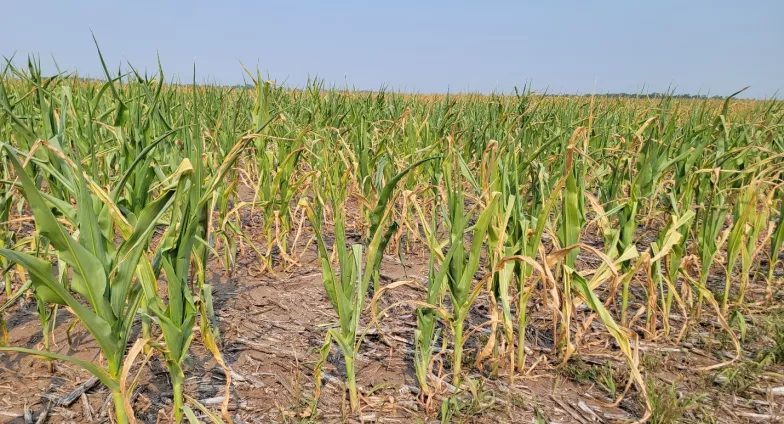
(41, 275)
(130, 251)
(386, 194)
(778, 236)
(461, 289)
(139, 158)
(88, 268)
(570, 230)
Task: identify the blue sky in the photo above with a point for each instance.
(714, 47)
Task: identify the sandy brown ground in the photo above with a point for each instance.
(273, 325)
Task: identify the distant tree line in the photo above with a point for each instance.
(651, 95)
(655, 95)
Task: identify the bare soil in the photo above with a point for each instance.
(273, 325)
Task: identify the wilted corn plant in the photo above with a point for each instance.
(100, 291)
(7, 241)
(132, 190)
(711, 219)
(347, 288)
(187, 243)
(745, 204)
(276, 163)
(463, 264)
(775, 244)
(753, 243)
(427, 332)
(526, 226)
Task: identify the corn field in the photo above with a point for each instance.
(626, 222)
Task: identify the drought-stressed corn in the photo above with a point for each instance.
(616, 211)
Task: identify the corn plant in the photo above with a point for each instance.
(711, 220)
(100, 291)
(176, 318)
(463, 264)
(746, 204)
(752, 245)
(347, 288)
(569, 234)
(527, 224)
(775, 244)
(426, 333)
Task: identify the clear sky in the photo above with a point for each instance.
(703, 46)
